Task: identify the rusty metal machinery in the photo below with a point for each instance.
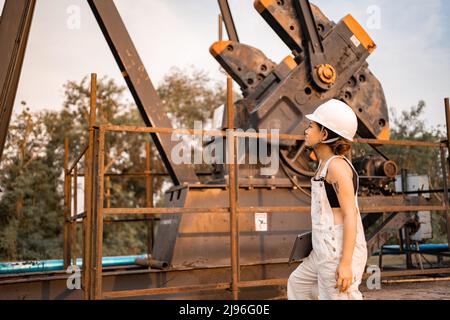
(376, 174)
(328, 60)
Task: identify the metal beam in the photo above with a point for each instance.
(15, 24)
(140, 85)
(444, 164)
(228, 20)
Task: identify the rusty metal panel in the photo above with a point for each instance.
(15, 24)
(140, 85)
(187, 240)
(283, 19)
(203, 238)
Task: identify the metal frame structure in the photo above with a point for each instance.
(96, 212)
(15, 24)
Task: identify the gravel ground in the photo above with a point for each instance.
(437, 290)
(409, 291)
(428, 290)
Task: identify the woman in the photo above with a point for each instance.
(335, 266)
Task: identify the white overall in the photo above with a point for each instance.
(315, 277)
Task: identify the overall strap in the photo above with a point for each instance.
(354, 171)
(318, 168)
(325, 167)
(350, 163)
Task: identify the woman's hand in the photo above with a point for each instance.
(344, 276)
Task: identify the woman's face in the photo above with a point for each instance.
(313, 135)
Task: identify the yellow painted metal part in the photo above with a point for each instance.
(385, 134)
(261, 5)
(327, 74)
(218, 47)
(290, 62)
(360, 33)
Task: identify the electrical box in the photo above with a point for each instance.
(417, 183)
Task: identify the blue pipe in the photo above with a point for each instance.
(423, 248)
(58, 265)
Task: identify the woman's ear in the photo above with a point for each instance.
(324, 134)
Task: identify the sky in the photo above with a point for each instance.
(412, 60)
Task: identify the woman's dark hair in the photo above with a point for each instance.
(341, 147)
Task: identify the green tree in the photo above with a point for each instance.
(30, 208)
(190, 95)
(31, 173)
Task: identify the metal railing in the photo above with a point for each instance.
(95, 212)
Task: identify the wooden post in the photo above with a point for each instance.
(74, 228)
(108, 192)
(88, 184)
(446, 177)
(149, 198)
(232, 166)
(220, 27)
(67, 207)
(97, 214)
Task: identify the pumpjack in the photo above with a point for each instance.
(327, 60)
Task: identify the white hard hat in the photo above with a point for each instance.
(336, 116)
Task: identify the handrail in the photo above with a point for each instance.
(69, 171)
